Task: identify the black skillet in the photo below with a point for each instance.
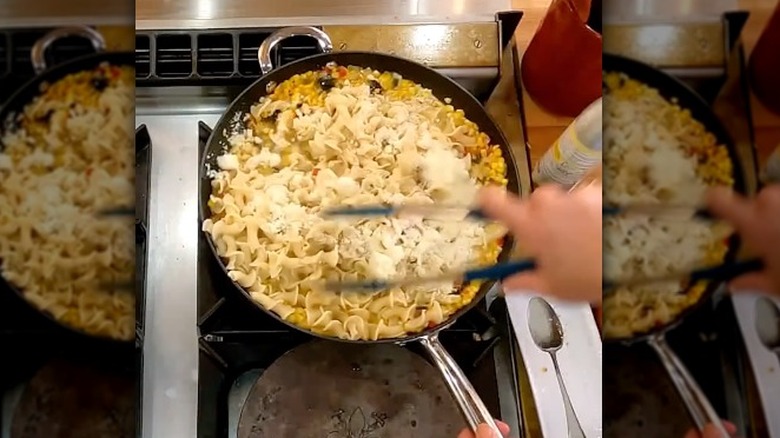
(698, 405)
(472, 407)
(32, 89)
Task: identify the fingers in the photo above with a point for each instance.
(483, 431)
(752, 282)
(503, 427)
(710, 431)
(528, 281)
(467, 433)
(768, 205)
(730, 206)
(592, 195)
(769, 196)
(504, 208)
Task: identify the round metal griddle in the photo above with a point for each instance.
(339, 390)
(64, 400)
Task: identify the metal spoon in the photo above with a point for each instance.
(768, 324)
(547, 333)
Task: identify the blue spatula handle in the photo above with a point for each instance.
(728, 271)
(613, 211)
(499, 271)
(381, 210)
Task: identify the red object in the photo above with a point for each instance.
(561, 68)
(764, 65)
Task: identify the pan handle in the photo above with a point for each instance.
(264, 52)
(38, 52)
(472, 407)
(695, 400)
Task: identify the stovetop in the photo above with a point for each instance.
(200, 391)
(238, 341)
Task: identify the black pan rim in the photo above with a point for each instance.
(7, 111)
(230, 112)
(54, 73)
(672, 88)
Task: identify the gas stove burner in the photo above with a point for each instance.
(337, 390)
(66, 400)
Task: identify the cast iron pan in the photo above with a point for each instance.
(31, 90)
(442, 87)
(672, 89)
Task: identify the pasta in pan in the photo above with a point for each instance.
(351, 136)
(69, 154)
(656, 153)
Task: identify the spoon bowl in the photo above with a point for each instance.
(546, 329)
(768, 323)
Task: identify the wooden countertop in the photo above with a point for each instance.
(544, 128)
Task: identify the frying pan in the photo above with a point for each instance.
(469, 402)
(699, 407)
(28, 92)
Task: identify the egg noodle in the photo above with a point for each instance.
(67, 155)
(656, 153)
(351, 136)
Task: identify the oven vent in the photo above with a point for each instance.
(215, 57)
(287, 51)
(143, 57)
(174, 55)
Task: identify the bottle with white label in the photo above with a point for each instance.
(575, 152)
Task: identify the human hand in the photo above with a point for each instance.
(483, 431)
(758, 224)
(711, 432)
(561, 232)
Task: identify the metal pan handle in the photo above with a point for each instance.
(695, 400)
(38, 52)
(472, 407)
(264, 52)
